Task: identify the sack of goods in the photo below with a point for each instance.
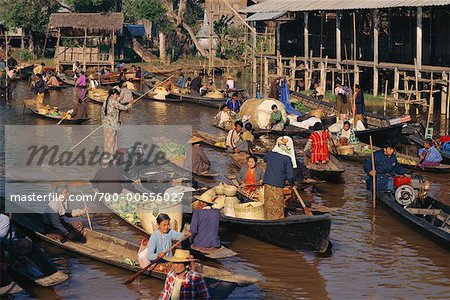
(259, 111)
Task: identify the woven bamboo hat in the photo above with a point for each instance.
(180, 256)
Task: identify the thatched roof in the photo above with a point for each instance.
(92, 21)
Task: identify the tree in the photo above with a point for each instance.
(30, 15)
(95, 5)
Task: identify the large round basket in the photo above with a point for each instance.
(249, 210)
(346, 150)
(318, 113)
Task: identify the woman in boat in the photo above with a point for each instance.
(138, 73)
(317, 145)
(280, 167)
(79, 111)
(276, 121)
(196, 159)
(234, 142)
(386, 167)
(429, 156)
(52, 80)
(346, 135)
(39, 89)
(111, 120)
(76, 68)
(55, 224)
(93, 83)
(81, 81)
(360, 106)
(161, 239)
(182, 282)
(223, 118)
(251, 174)
(126, 96)
(247, 135)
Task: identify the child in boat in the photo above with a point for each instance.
(182, 282)
(162, 238)
(276, 121)
(223, 118)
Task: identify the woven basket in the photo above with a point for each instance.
(249, 210)
(318, 113)
(346, 150)
(228, 209)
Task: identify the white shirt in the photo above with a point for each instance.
(232, 138)
(223, 117)
(230, 83)
(4, 225)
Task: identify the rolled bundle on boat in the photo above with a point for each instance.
(249, 210)
(148, 213)
(259, 111)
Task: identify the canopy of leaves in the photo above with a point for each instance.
(153, 10)
(31, 15)
(95, 5)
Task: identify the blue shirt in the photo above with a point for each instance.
(359, 102)
(433, 154)
(205, 228)
(160, 242)
(182, 82)
(279, 169)
(386, 167)
(234, 106)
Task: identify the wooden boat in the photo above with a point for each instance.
(178, 164)
(98, 97)
(218, 142)
(330, 171)
(220, 253)
(432, 221)
(55, 88)
(70, 81)
(55, 118)
(380, 134)
(149, 96)
(119, 253)
(419, 142)
(289, 131)
(407, 161)
(204, 101)
(298, 232)
(374, 120)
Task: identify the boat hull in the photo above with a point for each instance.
(421, 224)
(298, 232)
(380, 135)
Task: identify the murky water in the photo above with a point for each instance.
(374, 256)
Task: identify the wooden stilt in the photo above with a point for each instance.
(84, 50)
(113, 41)
(375, 52)
(293, 66)
(57, 58)
(266, 76)
(385, 97)
(306, 38)
(419, 38)
(338, 39)
(396, 82)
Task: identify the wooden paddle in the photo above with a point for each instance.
(306, 209)
(87, 213)
(151, 266)
(374, 179)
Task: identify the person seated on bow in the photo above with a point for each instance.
(55, 225)
(204, 225)
(223, 118)
(161, 239)
(429, 156)
(251, 175)
(346, 135)
(276, 121)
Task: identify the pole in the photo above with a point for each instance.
(84, 50)
(385, 97)
(6, 67)
(355, 49)
(375, 52)
(374, 179)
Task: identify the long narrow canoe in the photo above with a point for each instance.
(328, 172)
(200, 100)
(117, 252)
(219, 253)
(433, 221)
(55, 118)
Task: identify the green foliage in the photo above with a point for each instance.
(32, 15)
(24, 55)
(94, 5)
(153, 10)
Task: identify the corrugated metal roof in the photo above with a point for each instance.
(333, 5)
(263, 16)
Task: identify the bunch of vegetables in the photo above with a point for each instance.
(172, 149)
(300, 107)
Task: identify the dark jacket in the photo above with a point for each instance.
(196, 84)
(278, 170)
(386, 167)
(80, 111)
(359, 102)
(205, 228)
(39, 88)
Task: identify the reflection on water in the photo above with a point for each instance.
(374, 254)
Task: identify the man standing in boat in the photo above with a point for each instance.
(386, 167)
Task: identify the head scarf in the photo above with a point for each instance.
(285, 146)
